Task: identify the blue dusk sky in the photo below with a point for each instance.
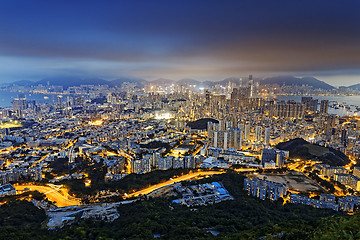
(204, 40)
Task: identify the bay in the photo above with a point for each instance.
(7, 96)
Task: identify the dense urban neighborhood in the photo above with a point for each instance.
(96, 149)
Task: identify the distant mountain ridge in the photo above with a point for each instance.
(22, 83)
(77, 81)
(71, 81)
(355, 87)
(291, 80)
(188, 81)
(139, 82)
(119, 81)
(162, 81)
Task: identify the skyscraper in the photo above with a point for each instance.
(310, 103)
(344, 137)
(19, 104)
(267, 156)
(280, 159)
(267, 136)
(237, 138)
(324, 106)
(291, 109)
(207, 97)
(251, 86)
(247, 132)
(258, 133)
(226, 140)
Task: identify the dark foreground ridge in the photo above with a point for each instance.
(245, 217)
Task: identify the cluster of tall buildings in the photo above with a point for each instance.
(231, 138)
(271, 158)
(228, 134)
(287, 110)
(296, 110)
(311, 105)
(19, 104)
(328, 201)
(264, 189)
(141, 165)
(14, 175)
(341, 175)
(148, 163)
(240, 97)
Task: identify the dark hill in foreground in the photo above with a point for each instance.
(299, 148)
(201, 124)
(245, 217)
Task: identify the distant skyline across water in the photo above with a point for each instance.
(7, 96)
(348, 100)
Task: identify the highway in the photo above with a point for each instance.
(172, 181)
(59, 195)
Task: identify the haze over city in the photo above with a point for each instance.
(183, 39)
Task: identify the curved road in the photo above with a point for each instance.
(62, 199)
(172, 181)
(59, 196)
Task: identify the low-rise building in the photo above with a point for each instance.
(7, 189)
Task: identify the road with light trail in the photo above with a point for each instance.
(58, 195)
(172, 181)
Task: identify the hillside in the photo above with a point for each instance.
(22, 83)
(71, 81)
(162, 81)
(118, 82)
(290, 80)
(245, 217)
(226, 81)
(328, 228)
(188, 81)
(355, 86)
(68, 81)
(299, 148)
(201, 124)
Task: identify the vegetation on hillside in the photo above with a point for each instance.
(245, 217)
(299, 148)
(129, 183)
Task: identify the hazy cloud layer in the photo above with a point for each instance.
(176, 39)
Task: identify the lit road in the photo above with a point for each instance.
(352, 162)
(59, 196)
(245, 169)
(40, 160)
(189, 176)
(70, 145)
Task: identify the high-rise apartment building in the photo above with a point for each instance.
(267, 136)
(324, 106)
(258, 133)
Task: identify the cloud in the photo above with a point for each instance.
(179, 39)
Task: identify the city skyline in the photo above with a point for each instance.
(154, 40)
(179, 119)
